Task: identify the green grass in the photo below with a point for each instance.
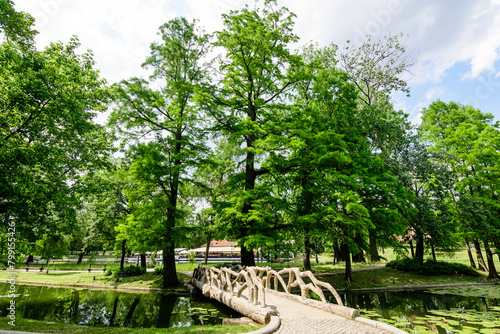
(58, 328)
(148, 280)
(326, 261)
(388, 277)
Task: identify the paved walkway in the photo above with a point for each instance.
(297, 318)
(324, 326)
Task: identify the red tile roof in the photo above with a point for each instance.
(221, 243)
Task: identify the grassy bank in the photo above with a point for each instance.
(148, 280)
(58, 328)
(388, 277)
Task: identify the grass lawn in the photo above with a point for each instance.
(148, 280)
(58, 328)
(388, 277)
(325, 260)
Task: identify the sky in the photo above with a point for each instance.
(456, 42)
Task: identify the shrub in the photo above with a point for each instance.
(108, 273)
(192, 258)
(158, 270)
(432, 268)
(131, 271)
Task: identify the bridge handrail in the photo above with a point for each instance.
(315, 285)
(223, 279)
(258, 279)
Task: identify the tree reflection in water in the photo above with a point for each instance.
(113, 308)
(446, 310)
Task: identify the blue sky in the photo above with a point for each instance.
(457, 42)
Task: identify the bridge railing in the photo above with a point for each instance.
(258, 279)
(295, 279)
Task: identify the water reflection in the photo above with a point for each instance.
(442, 311)
(113, 308)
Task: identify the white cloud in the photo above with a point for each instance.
(442, 33)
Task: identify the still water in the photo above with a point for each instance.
(113, 308)
(466, 309)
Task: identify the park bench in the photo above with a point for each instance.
(34, 265)
(96, 266)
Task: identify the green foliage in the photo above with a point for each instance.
(313, 295)
(48, 139)
(108, 272)
(164, 108)
(53, 245)
(17, 26)
(92, 258)
(247, 106)
(192, 258)
(432, 268)
(158, 270)
(131, 271)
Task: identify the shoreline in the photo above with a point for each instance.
(184, 291)
(100, 287)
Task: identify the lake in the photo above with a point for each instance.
(113, 308)
(466, 309)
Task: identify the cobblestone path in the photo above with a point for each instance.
(325, 326)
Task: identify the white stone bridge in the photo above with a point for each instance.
(265, 295)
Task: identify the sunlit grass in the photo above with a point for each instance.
(148, 280)
(59, 328)
(388, 277)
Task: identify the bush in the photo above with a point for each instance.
(131, 271)
(108, 273)
(192, 258)
(432, 268)
(158, 270)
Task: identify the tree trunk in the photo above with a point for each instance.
(169, 278)
(122, 259)
(337, 254)
(247, 258)
(419, 251)
(471, 258)
(372, 237)
(433, 251)
(143, 260)
(411, 249)
(207, 249)
(347, 256)
(81, 255)
(128, 317)
(30, 258)
(306, 261)
(113, 314)
(75, 305)
(360, 256)
(48, 261)
(169, 271)
(103, 252)
(479, 255)
(167, 304)
(491, 264)
(316, 252)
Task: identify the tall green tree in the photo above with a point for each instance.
(163, 125)
(472, 141)
(249, 97)
(17, 26)
(48, 100)
(428, 183)
(376, 68)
